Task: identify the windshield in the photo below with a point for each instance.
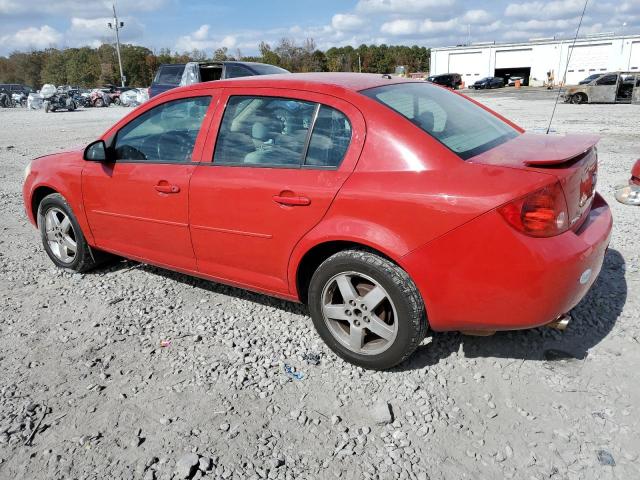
(462, 126)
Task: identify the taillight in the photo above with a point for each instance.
(542, 213)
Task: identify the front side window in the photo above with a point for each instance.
(166, 133)
(460, 125)
(608, 80)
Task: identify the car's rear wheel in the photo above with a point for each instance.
(99, 102)
(61, 235)
(367, 309)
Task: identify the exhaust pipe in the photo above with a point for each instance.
(560, 323)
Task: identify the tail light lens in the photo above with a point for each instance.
(542, 213)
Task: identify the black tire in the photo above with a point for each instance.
(411, 317)
(99, 103)
(84, 258)
(580, 98)
(47, 106)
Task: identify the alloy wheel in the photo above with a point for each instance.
(61, 237)
(359, 313)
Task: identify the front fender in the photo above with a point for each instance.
(66, 179)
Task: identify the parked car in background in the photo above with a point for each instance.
(450, 80)
(590, 78)
(180, 74)
(274, 184)
(488, 82)
(616, 87)
(512, 81)
(12, 88)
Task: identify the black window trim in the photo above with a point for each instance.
(111, 144)
(301, 165)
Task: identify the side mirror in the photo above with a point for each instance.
(96, 152)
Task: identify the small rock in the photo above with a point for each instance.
(335, 419)
(186, 465)
(381, 413)
(225, 427)
(205, 464)
(605, 458)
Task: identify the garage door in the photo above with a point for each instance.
(634, 57)
(587, 60)
(469, 65)
(522, 57)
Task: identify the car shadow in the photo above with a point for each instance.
(211, 286)
(592, 320)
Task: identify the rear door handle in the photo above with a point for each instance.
(294, 201)
(166, 188)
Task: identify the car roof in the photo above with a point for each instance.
(310, 81)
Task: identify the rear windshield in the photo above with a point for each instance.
(169, 75)
(463, 127)
(263, 69)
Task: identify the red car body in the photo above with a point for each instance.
(398, 191)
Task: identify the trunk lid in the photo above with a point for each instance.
(572, 159)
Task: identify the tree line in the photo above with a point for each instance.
(90, 67)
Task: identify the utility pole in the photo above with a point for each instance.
(117, 26)
(359, 64)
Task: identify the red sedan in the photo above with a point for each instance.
(389, 206)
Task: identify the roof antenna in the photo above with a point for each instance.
(564, 77)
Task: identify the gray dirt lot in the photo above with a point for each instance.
(85, 350)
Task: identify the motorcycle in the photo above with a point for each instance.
(19, 99)
(6, 101)
(55, 99)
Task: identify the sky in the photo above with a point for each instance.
(184, 25)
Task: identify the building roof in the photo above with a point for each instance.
(540, 41)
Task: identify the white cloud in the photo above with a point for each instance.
(201, 39)
(401, 6)
(545, 10)
(32, 37)
(400, 27)
(77, 7)
(346, 22)
(474, 17)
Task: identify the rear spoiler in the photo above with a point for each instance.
(538, 150)
(543, 150)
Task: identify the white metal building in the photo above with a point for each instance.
(532, 60)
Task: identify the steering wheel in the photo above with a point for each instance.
(174, 146)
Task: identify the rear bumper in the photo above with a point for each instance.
(486, 276)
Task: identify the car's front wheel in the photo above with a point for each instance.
(367, 309)
(61, 235)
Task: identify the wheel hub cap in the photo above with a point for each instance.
(359, 313)
(61, 237)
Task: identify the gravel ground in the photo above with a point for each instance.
(136, 372)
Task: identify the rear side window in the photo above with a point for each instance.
(235, 71)
(275, 132)
(166, 133)
(460, 125)
(169, 75)
(330, 139)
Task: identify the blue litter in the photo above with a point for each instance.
(291, 373)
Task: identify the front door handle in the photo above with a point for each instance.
(164, 187)
(294, 201)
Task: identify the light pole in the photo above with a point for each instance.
(117, 26)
